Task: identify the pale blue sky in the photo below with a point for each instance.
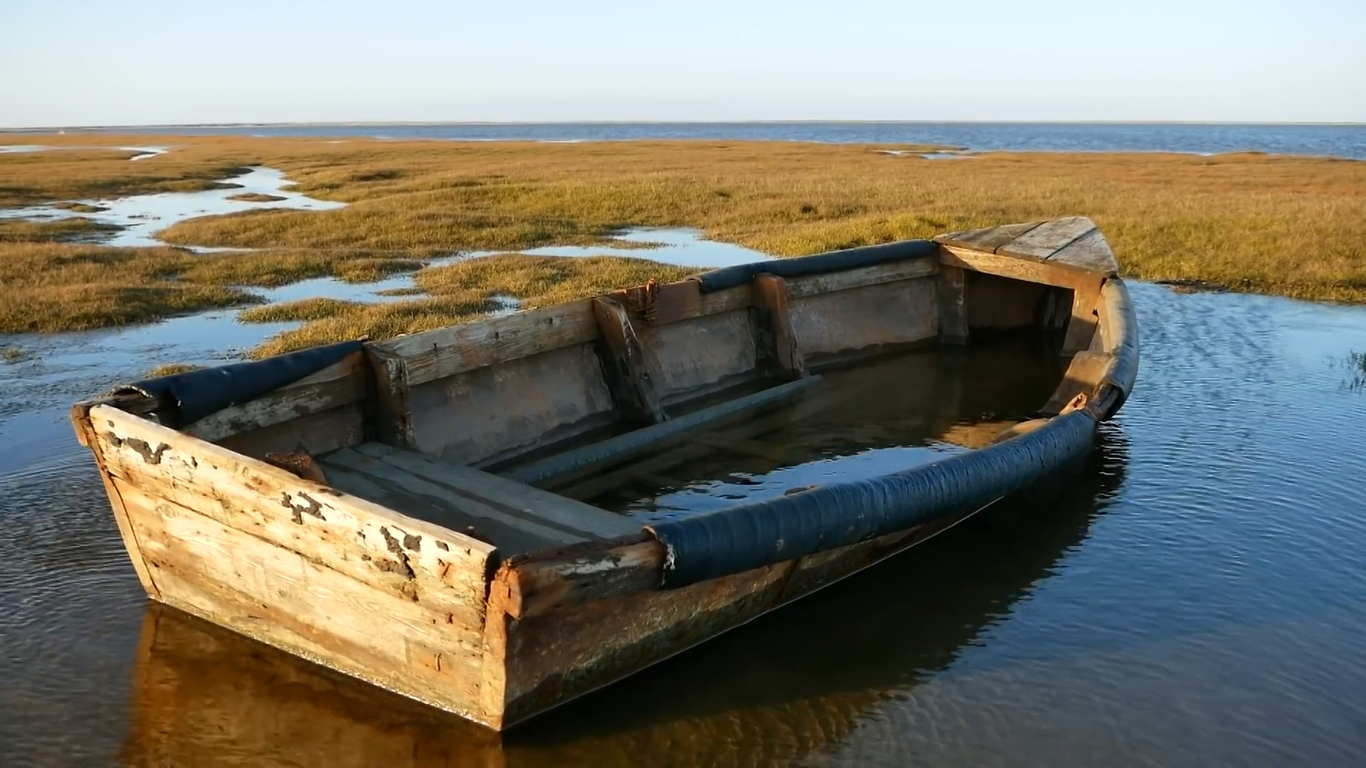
(80, 62)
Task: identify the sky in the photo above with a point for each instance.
(148, 62)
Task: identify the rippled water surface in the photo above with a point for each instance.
(1302, 139)
(1195, 598)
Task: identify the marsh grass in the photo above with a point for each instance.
(302, 310)
(78, 207)
(171, 369)
(255, 197)
(1246, 221)
(463, 291)
(67, 287)
(59, 230)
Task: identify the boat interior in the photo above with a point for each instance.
(582, 421)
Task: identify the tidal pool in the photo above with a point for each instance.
(142, 216)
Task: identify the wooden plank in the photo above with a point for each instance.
(391, 411)
(80, 420)
(237, 580)
(1090, 252)
(316, 433)
(704, 355)
(628, 378)
(573, 464)
(507, 408)
(865, 320)
(682, 300)
(440, 504)
(774, 340)
(444, 352)
(1028, 270)
(1084, 372)
(341, 383)
(375, 545)
(953, 306)
(1048, 238)
(1082, 325)
(567, 513)
(830, 282)
(987, 239)
(532, 585)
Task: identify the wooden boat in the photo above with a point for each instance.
(411, 512)
(203, 695)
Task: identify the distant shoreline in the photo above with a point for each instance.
(135, 127)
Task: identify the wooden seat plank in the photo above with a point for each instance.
(1048, 238)
(987, 239)
(506, 494)
(1090, 252)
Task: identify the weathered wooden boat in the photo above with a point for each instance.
(413, 512)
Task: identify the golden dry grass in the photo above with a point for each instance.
(1251, 222)
(463, 291)
(298, 311)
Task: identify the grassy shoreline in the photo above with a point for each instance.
(1293, 226)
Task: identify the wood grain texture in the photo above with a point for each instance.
(774, 341)
(387, 551)
(444, 352)
(830, 282)
(1084, 373)
(682, 300)
(873, 317)
(690, 358)
(1028, 270)
(440, 504)
(85, 431)
(339, 384)
(315, 433)
(987, 239)
(503, 409)
(553, 508)
(1090, 252)
(1048, 238)
(951, 291)
(1082, 325)
(548, 581)
(238, 580)
(628, 377)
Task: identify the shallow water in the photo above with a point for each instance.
(141, 216)
(1344, 140)
(1194, 598)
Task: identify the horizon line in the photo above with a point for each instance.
(788, 121)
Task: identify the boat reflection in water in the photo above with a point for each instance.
(793, 683)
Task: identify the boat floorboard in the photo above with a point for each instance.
(514, 517)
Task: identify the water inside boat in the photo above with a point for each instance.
(860, 422)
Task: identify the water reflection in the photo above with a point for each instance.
(1356, 371)
(784, 688)
(141, 216)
